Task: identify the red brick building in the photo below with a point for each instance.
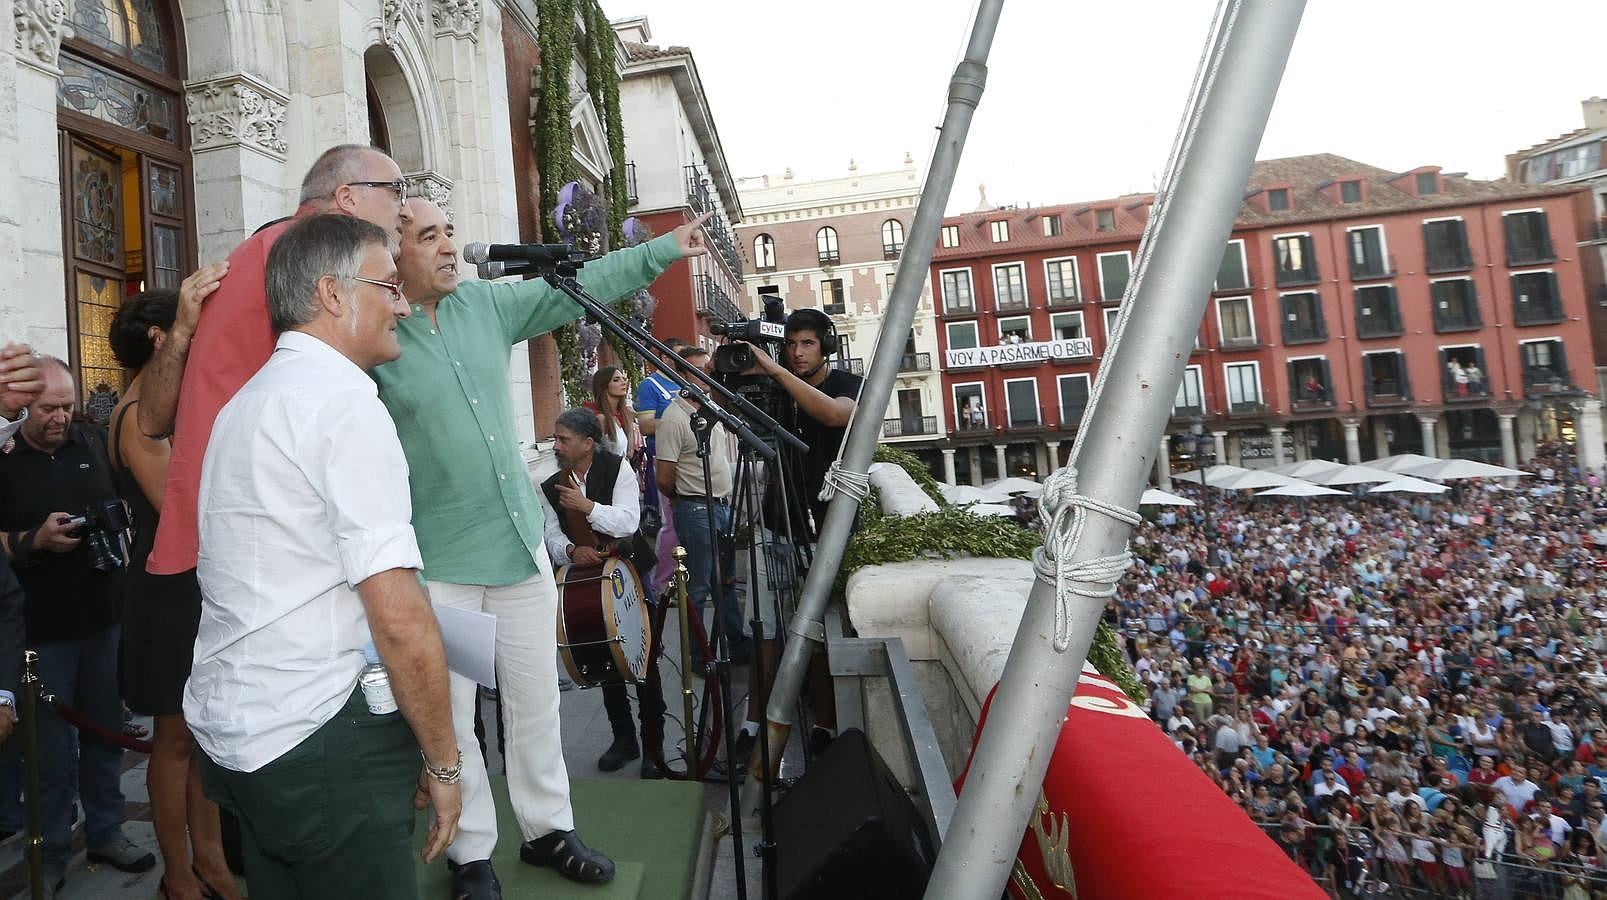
(1357, 313)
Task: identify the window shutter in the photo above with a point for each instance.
(1327, 381)
(1405, 374)
(1319, 322)
(1513, 226)
(1367, 374)
(1447, 384)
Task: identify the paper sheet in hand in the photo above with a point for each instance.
(471, 643)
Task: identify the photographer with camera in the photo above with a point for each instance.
(64, 528)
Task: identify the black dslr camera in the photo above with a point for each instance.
(104, 528)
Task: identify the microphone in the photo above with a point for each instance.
(491, 271)
(527, 253)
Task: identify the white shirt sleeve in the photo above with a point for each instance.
(553, 532)
(622, 517)
(354, 461)
(9, 429)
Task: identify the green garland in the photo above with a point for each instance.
(952, 532)
(555, 143)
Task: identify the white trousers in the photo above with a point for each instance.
(527, 682)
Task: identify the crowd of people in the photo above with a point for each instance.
(1401, 692)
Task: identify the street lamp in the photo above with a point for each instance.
(1204, 448)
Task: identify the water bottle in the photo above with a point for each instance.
(376, 682)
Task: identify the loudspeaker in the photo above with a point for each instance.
(848, 830)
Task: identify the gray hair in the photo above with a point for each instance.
(341, 164)
(327, 244)
(581, 422)
(47, 359)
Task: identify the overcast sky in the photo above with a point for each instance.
(1083, 99)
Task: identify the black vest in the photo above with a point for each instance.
(600, 481)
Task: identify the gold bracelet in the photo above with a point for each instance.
(446, 774)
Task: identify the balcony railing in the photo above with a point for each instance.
(1246, 407)
(1462, 392)
(909, 427)
(724, 243)
(972, 421)
(891, 251)
(632, 196)
(1539, 381)
(1388, 392)
(1450, 259)
(828, 257)
(853, 366)
(1024, 419)
(1310, 397)
(1296, 277)
(1529, 254)
(915, 362)
(698, 195)
(1373, 267)
(1597, 231)
(714, 303)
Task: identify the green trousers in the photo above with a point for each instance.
(333, 817)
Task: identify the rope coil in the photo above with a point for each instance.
(854, 484)
(1065, 514)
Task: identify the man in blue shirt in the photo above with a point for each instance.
(653, 396)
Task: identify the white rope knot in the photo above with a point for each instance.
(1064, 513)
(854, 484)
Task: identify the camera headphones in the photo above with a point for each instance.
(818, 322)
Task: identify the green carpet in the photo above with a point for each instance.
(651, 829)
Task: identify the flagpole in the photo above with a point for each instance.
(1087, 528)
(807, 628)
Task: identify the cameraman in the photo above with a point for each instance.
(823, 399)
(56, 472)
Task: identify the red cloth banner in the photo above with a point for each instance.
(1124, 814)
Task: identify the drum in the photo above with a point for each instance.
(604, 634)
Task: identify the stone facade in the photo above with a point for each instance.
(263, 88)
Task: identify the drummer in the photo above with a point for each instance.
(590, 506)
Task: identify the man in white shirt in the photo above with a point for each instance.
(1516, 789)
(307, 555)
(591, 507)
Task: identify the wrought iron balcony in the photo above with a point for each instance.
(1311, 397)
(1530, 253)
(892, 251)
(828, 257)
(909, 426)
(714, 303)
(1372, 267)
(632, 196)
(1542, 381)
(698, 195)
(853, 366)
(724, 242)
(1450, 259)
(915, 362)
(1295, 277)
(971, 420)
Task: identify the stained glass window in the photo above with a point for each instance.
(99, 374)
(99, 92)
(164, 190)
(164, 258)
(95, 206)
(128, 28)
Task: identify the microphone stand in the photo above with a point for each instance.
(561, 275)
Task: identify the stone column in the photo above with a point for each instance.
(948, 467)
(1221, 440)
(1442, 440)
(1163, 464)
(975, 454)
(1509, 440)
(1053, 449)
(1302, 448)
(1587, 425)
(1528, 424)
(998, 457)
(1352, 440)
(30, 179)
(1431, 446)
(1280, 449)
(237, 124)
(1380, 439)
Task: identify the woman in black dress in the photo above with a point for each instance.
(160, 617)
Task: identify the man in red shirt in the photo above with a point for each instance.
(233, 339)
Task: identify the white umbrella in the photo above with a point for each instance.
(1447, 469)
(1402, 462)
(1408, 486)
(1301, 489)
(1307, 468)
(963, 493)
(1353, 475)
(1255, 478)
(1215, 476)
(1003, 488)
(1158, 497)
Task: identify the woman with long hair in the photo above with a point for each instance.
(160, 618)
(610, 392)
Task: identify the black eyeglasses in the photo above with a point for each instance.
(399, 186)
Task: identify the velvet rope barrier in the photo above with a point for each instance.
(95, 730)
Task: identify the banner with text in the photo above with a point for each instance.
(1006, 354)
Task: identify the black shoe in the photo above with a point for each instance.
(738, 761)
(744, 747)
(474, 881)
(820, 739)
(620, 752)
(563, 851)
(650, 769)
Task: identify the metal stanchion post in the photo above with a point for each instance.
(30, 748)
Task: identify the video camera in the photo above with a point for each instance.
(104, 528)
(769, 331)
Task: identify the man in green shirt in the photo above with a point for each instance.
(479, 523)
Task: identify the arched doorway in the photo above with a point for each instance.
(127, 209)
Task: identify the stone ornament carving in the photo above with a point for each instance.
(236, 110)
(433, 187)
(459, 18)
(394, 14)
(41, 27)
